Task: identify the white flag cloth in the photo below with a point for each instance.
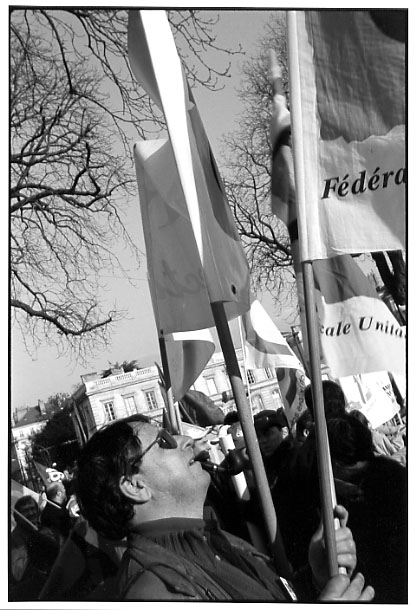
(155, 62)
(358, 333)
(347, 84)
(372, 394)
(177, 285)
(264, 345)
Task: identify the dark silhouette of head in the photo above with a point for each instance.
(359, 416)
(350, 440)
(231, 418)
(334, 399)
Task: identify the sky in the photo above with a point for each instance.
(41, 375)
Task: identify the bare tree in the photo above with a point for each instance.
(247, 154)
(75, 110)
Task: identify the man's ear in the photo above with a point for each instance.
(134, 488)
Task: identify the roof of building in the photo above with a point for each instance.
(32, 416)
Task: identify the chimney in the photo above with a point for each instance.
(41, 405)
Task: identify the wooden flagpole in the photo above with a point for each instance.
(246, 420)
(175, 428)
(323, 455)
(242, 344)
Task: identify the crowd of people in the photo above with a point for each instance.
(154, 524)
(39, 534)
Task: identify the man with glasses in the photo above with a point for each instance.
(139, 482)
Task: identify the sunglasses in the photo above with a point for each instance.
(164, 439)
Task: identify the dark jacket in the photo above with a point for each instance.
(57, 518)
(202, 565)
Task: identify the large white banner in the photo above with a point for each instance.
(347, 86)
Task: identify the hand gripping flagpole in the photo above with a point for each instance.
(323, 454)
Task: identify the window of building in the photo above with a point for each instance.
(211, 386)
(130, 404)
(257, 403)
(151, 402)
(276, 395)
(269, 374)
(250, 376)
(109, 410)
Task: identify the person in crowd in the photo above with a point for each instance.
(137, 481)
(275, 443)
(33, 550)
(303, 427)
(374, 490)
(382, 443)
(231, 417)
(299, 505)
(55, 514)
(334, 399)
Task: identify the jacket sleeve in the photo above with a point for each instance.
(304, 586)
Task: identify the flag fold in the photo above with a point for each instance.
(224, 268)
(264, 345)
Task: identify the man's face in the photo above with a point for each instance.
(30, 512)
(171, 473)
(269, 440)
(61, 494)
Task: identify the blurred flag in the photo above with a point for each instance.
(176, 281)
(199, 192)
(86, 567)
(202, 409)
(17, 490)
(292, 383)
(188, 354)
(264, 345)
(48, 475)
(347, 83)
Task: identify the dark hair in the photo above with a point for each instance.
(304, 422)
(106, 457)
(359, 416)
(333, 398)
(350, 441)
(24, 501)
(231, 417)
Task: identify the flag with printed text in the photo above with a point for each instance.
(358, 332)
(348, 77)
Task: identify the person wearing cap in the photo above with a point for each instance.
(275, 443)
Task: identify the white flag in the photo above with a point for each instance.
(265, 347)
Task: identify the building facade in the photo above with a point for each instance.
(99, 400)
(25, 427)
